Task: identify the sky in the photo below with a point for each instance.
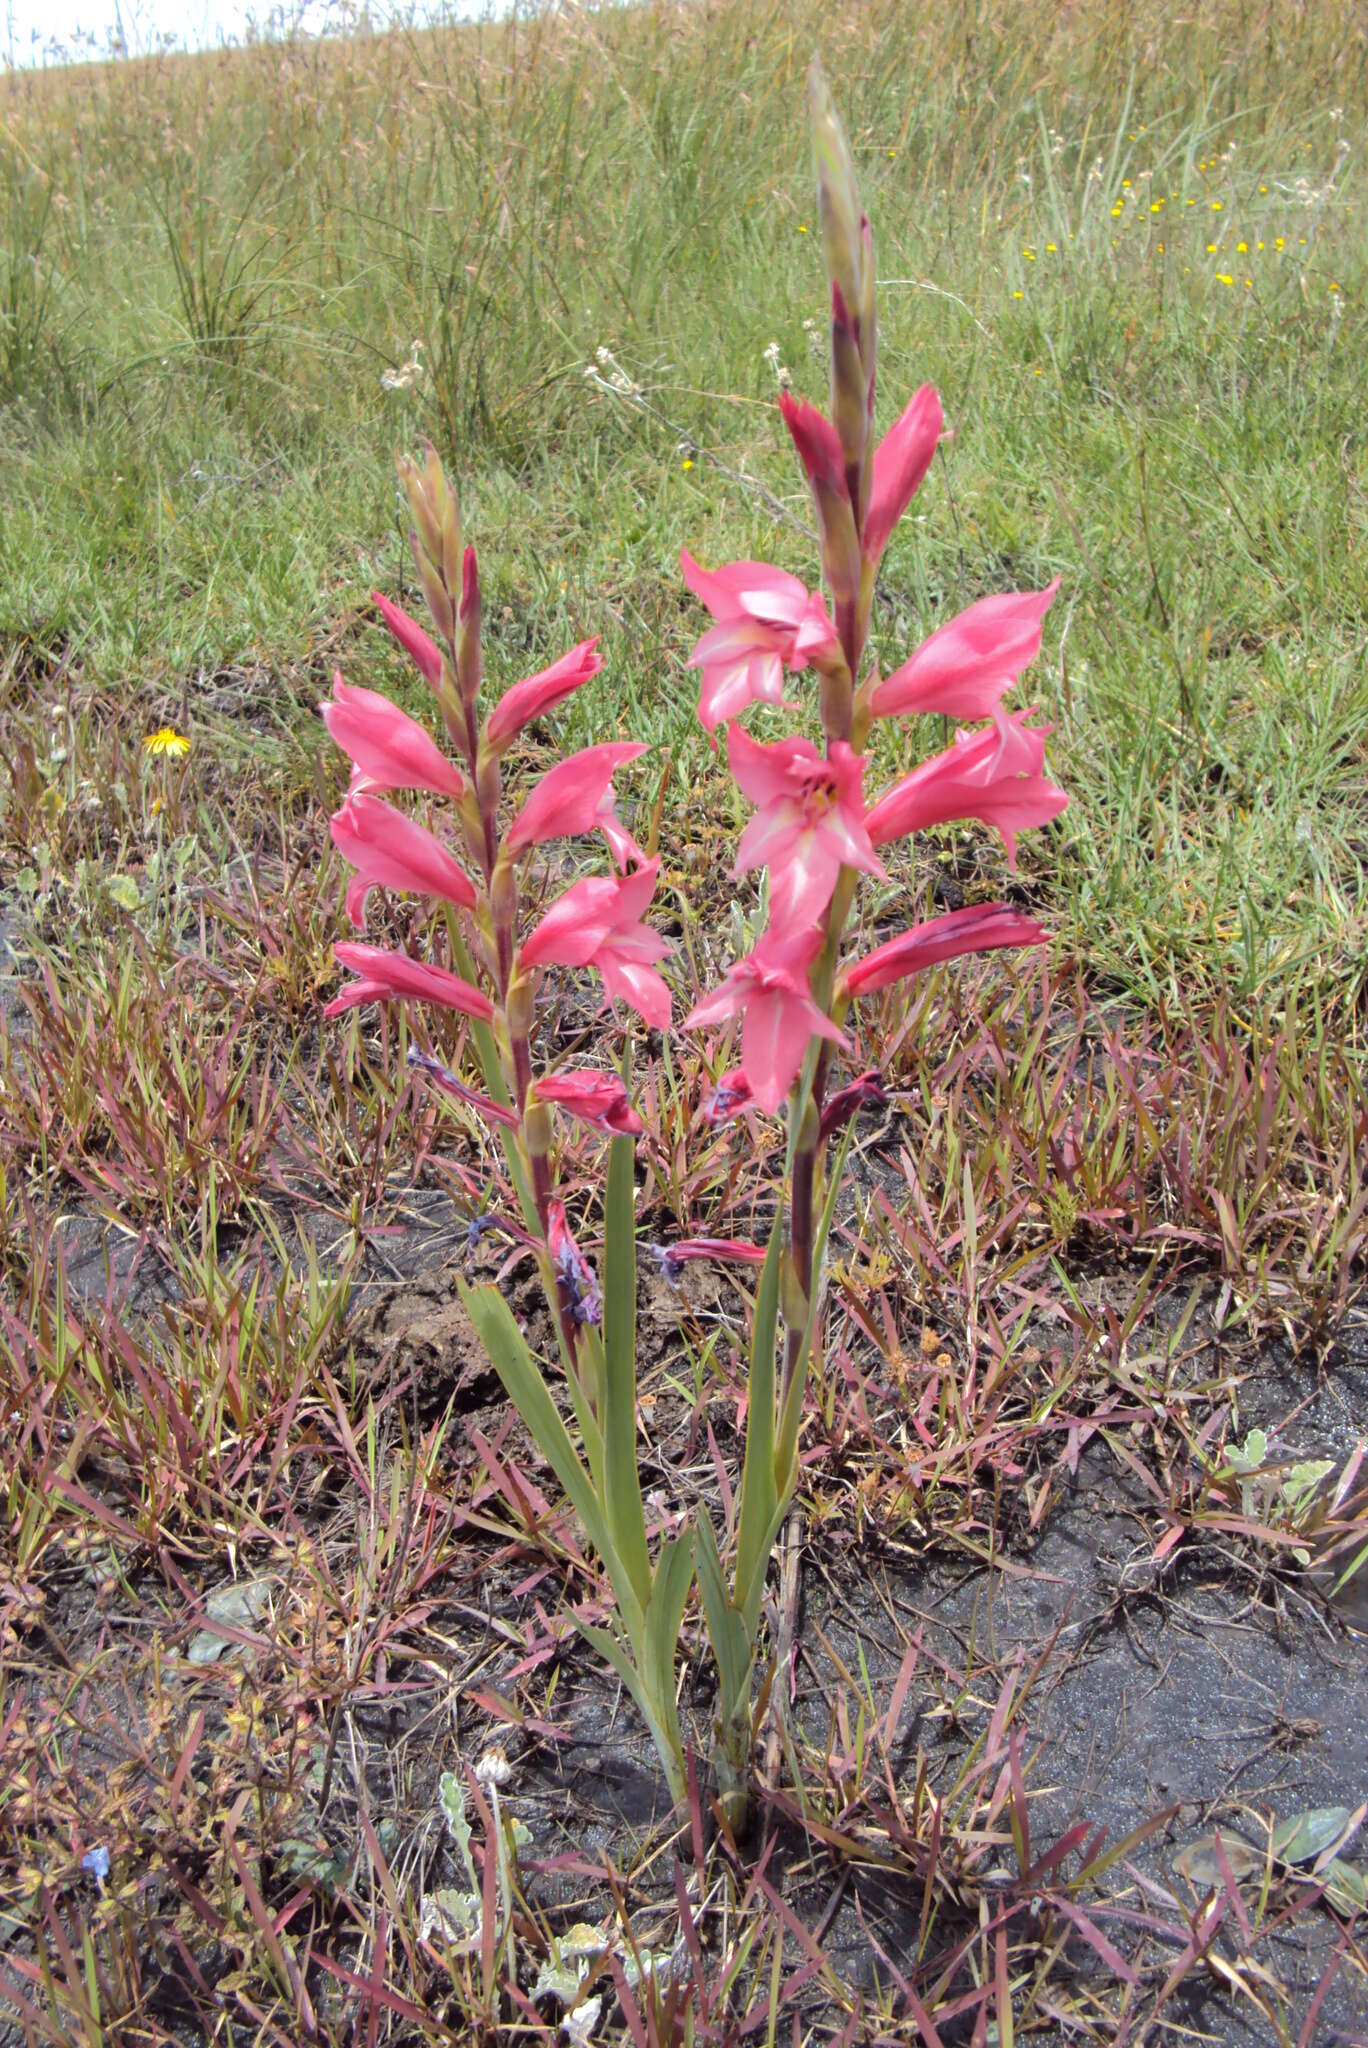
(34, 32)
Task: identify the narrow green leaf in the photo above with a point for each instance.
(522, 1379)
(665, 1612)
(750, 1594)
(757, 1471)
(726, 1628)
(621, 1481)
(591, 1436)
(791, 1412)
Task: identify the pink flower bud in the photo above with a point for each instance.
(817, 442)
(540, 693)
(901, 460)
(981, 928)
(386, 976)
(468, 659)
(420, 648)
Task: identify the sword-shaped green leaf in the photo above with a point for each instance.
(757, 1473)
(522, 1379)
(621, 1482)
(726, 1628)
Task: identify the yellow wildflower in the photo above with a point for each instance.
(167, 742)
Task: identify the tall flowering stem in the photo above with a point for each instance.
(816, 834)
(496, 968)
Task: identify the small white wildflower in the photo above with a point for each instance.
(493, 1771)
(607, 374)
(781, 374)
(404, 378)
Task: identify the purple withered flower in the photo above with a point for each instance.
(574, 1275)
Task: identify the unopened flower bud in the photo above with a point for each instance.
(838, 199)
(434, 482)
(434, 591)
(849, 384)
(468, 645)
(450, 556)
(518, 1006)
(866, 309)
(427, 516)
(503, 893)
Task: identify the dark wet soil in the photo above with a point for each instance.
(1203, 1689)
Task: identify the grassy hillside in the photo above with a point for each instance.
(1129, 250)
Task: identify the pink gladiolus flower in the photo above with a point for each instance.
(810, 822)
(624, 849)
(731, 1095)
(901, 460)
(597, 923)
(385, 976)
(452, 1084)
(594, 1097)
(994, 776)
(542, 692)
(423, 650)
(769, 991)
(817, 442)
(576, 796)
(766, 622)
(981, 928)
(390, 749)
(965, 666)
(573, 1271)
(672, 1258)
(390, 851)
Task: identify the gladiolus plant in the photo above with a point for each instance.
(816, 830)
